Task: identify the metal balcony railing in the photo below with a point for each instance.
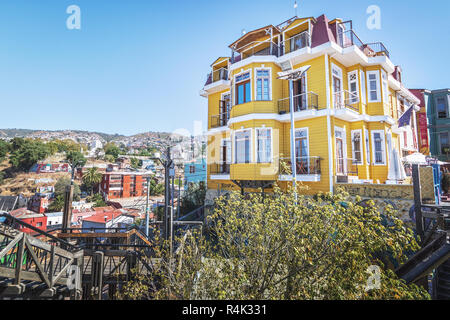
(375, 49)
(346, 99)
(349, 38)
(347, 167)
(304, 165)
(304, 101)
(220, 120)
(255, 48)
(216, 75)
(219, 168)
(299, 41)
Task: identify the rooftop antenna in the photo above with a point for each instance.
(243, 31)
(295, 7)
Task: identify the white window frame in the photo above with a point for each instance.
(262, 83)
(234, 146)
(377, 79)
(385, 88)
(223, 143)
(340, 76)
(353, 132)
(271, 144)
(307, 143)
(383, 147)
(363, 86)
(356, 81)
(367, 142)
(233, 90)
(344, 145)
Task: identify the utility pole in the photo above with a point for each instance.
(179, 197)
(68, 198)
(147, 207)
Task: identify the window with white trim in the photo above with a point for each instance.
(366, 133)
(225, 153)
(242, 146)
(385, 87)
(263, 84)
(373, 85)
(353, 87)
(363, 86)
(379, 147)
(357, 146)
(263, 145)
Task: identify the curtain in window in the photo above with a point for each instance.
(263, 145)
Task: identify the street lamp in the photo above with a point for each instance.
(290, 74)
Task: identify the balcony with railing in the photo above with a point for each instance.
(220, 120)
(305, 166)
(345, 168)
(375, 49)
(347, 38)
(346, 100)
(216, 75)
(255, 48)
(221, 168)
(302, 102)
(296, 42)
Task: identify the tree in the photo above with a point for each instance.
(57, 205)
(98, 200)
(91, 178)
(75, 159)
(193, 198)
(135, 163)
(279, 247)
(112, 150)
(4, 147)
(26, 152)
(156, 188)
(60, 188)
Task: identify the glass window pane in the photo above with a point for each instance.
(247, 92)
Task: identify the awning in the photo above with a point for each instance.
(415, 158)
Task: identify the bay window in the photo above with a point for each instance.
(373, 83)
(263, 84)
(243, 146)
(357, 146)
(379, 147)
(243, 88)
(264, 145)
(353, 87)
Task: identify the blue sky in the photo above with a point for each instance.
(138, 65)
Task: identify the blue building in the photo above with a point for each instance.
(437, 104)
(194, 172)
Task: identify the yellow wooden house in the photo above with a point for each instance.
(346, 109)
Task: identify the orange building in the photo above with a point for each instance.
(120, 184)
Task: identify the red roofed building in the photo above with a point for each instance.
(35, 219)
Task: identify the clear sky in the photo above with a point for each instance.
(138, 65)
